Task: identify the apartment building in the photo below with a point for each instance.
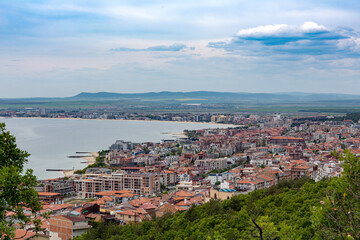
(285, 140)
(302, 170)
(56, 185)
(122, 145)
(139, 183)
(50, 197)
(219, 163)
(168, 178)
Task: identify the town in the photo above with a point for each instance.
(135, 182)
(114, 114)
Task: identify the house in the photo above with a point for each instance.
(222, 194)
(137, 215)
(149, 208)
(21, 234)
(168, 208)
(184, 204)
(67, 227)
(58, 208)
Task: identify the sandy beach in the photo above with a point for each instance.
(178, 135)
(91, 159)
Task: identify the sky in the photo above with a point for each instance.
(59, 48)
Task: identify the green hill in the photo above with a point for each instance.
(284, 211)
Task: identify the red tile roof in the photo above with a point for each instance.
(22, 234)
(48, 194)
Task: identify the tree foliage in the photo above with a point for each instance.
(192, 134)
(338, 217)
(16, 187)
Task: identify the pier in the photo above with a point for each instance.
(58, 170)
(82, 156)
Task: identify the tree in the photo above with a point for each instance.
(179, 151)
(338, 215)
(16, 187)
(259, 227)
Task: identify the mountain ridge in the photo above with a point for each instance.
(219, 96)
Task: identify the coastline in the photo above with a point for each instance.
(38, 157)
(91, 159)
(138, 120)
(178, 135)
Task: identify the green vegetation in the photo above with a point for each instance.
(355, 117)
(78, 201)
(210, 102)
(179, 151)
(192, 133)
(338, 215)
(16, 187)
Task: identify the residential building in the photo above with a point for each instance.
(139, 183)
(218, 163)
(56, 185)
(66, 227)
(50, 197)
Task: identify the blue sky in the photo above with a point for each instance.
(61, 48)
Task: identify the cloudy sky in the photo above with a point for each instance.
(62, 47)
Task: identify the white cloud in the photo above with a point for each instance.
(281, 29)
(312, 27)
(263, 30)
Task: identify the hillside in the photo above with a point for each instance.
(295, 209)
(284, 211)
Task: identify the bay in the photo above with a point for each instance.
(50, 141)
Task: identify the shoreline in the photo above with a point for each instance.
(138, 120)
(178, 135)
(89, 160)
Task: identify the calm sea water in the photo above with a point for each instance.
(50, 141)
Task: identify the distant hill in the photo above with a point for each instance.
(185, 101)
(218, 97)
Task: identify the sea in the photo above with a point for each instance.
(51, 141)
